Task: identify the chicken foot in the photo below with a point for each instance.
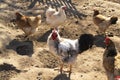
(70, 71)
(61, 68)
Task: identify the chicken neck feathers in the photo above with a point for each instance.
(110, 50)
(109, 57)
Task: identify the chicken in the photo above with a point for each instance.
(117, 66)
(34, 21)
(103, 22)
(111, 60)
(55, 18)
(28, 24)
(67, 50)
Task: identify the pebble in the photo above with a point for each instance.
(77, 22)
(81, 75)
(95, 76)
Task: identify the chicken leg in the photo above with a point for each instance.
(70, 69)
(61, 68)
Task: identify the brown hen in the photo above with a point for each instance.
(103, 22)
(28, 24)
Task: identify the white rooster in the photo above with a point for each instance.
(56, 18)
(66, 49)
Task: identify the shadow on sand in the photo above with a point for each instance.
(21, 47)
(99, 41)
(71, 9)
(44, 37)
(61, 77)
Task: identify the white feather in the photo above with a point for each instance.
(61, 46)
(55, 18)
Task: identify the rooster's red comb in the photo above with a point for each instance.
(107, 39)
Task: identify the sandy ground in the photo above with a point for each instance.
(31, 60)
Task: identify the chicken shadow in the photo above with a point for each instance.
(10, 4)
(33, 2)
(71, 9)
(21, 47)
(44, 37)
(8, 67)
(99, 41)
(61, 77)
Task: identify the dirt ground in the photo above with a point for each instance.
(31, 60)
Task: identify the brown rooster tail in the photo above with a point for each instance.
(113, 20)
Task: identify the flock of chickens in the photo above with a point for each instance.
(67, 50)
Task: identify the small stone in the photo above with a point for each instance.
(113, 10)
(89, 24)
(81, 75)
(39, 73)
(84, 5)
(77, 22)
(37, 66)
(95, 76)
(76, 34)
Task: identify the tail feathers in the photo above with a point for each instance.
(38, 17)
(113, 20)
(50, 11)
(86, 41)
(96, 12)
